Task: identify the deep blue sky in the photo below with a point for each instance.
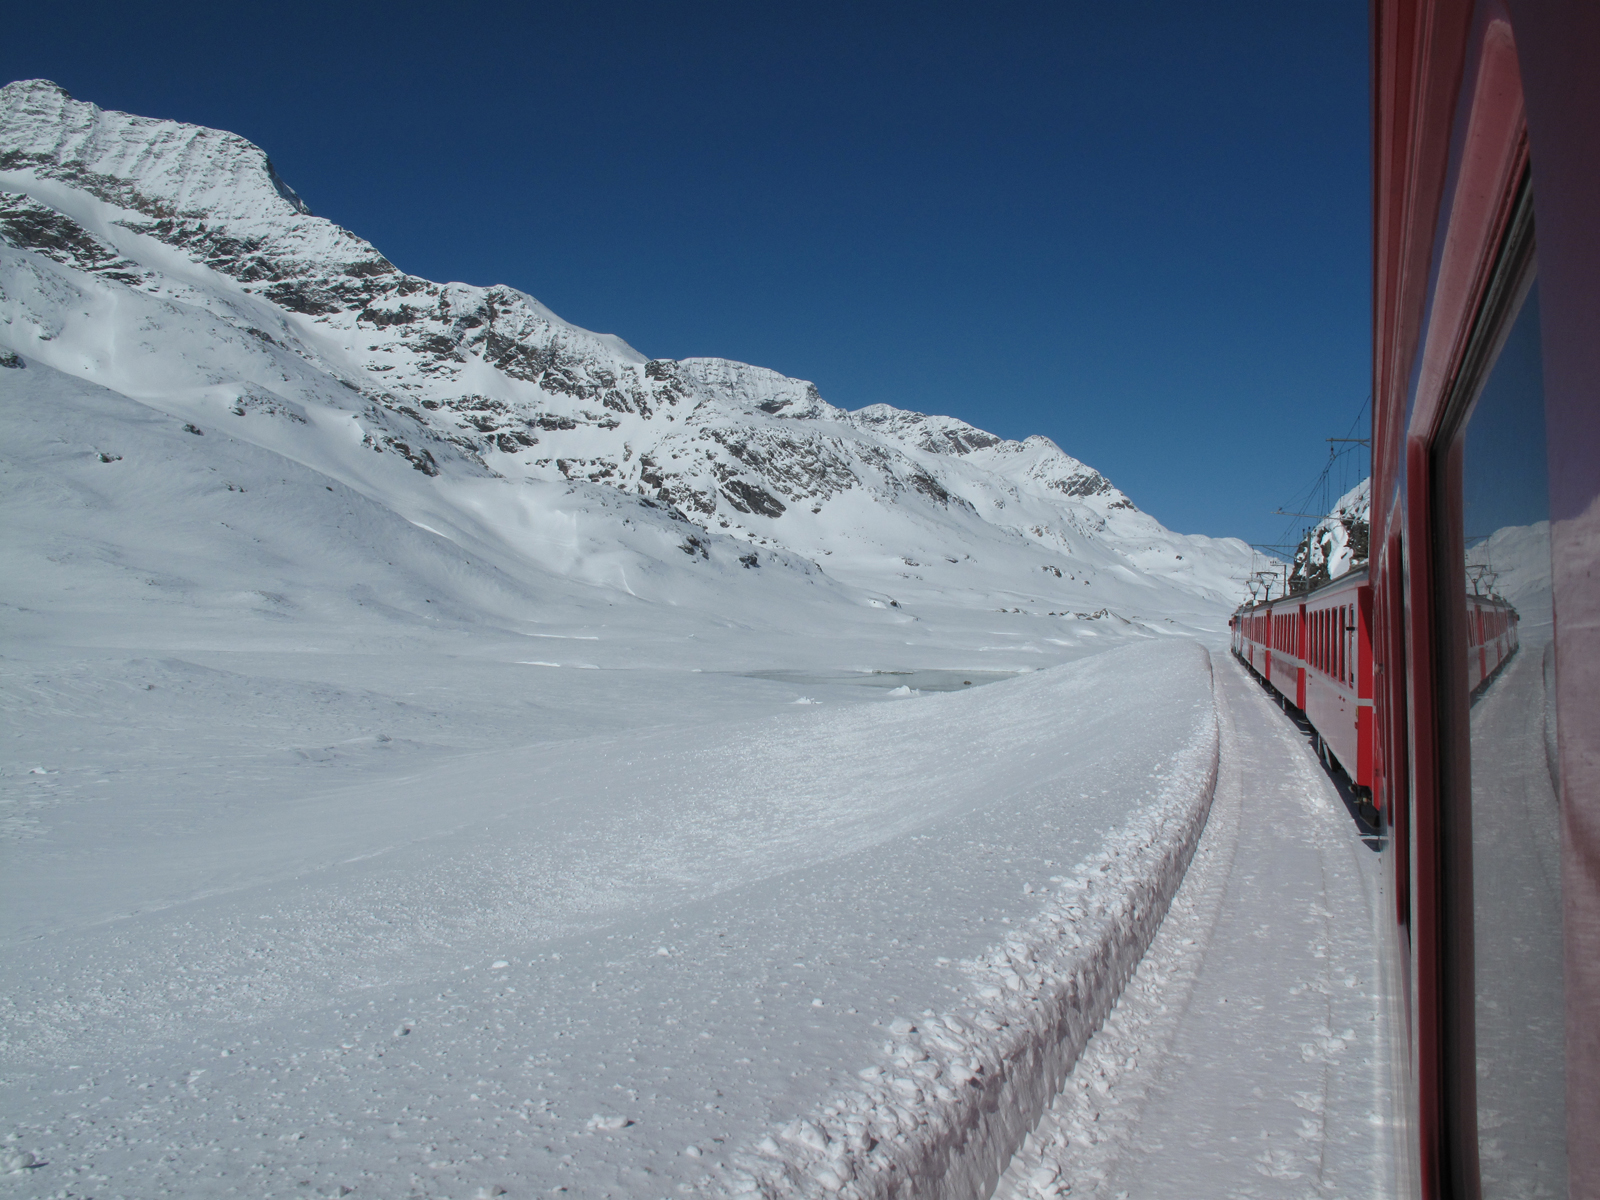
(1139, 229)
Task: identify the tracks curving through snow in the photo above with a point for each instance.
(1247, 1055)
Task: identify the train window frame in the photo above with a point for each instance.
(1510, 280)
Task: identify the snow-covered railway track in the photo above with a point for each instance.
(1247, 1056)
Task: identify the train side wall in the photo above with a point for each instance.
(1316, 653)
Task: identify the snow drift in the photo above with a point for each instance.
(445, 968)
(957, 1092)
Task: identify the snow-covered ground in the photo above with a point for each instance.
(614, 963)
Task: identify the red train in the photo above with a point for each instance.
(1481, 744)
(1315, 650)
(1491, 638)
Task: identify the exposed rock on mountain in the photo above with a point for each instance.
(171, 264)
(1337, 544)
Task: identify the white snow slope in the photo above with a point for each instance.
(524, 969)
(448, 752)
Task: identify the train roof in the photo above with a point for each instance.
(1352, 578)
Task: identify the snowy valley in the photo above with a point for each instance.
(170, 265)
(452, 753)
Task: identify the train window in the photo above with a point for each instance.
(1510, 730)
(1348, 644)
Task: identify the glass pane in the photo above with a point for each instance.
(1515, 831)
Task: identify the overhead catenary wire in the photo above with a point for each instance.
(1348, 463)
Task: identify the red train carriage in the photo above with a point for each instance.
(1486, 463)
(1474, 714)
(1315, 650)
(1491, 638)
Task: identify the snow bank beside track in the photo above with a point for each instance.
(955, 1093)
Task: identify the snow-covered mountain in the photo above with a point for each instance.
(1338, 543)
(167, 269)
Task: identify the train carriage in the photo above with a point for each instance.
(1315, 651)
(1491, 628)
(1486, 465)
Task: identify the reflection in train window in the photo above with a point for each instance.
(1515, 831)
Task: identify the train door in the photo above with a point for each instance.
(1300, 635)
(1364, 688)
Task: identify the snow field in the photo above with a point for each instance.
(628, 964)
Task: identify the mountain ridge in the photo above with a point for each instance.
(244, 303)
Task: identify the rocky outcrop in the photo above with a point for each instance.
(1337, 544)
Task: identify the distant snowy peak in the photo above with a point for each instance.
(217, 198)
(760, 387)
(210, 192)
(163, 168)
(1035, 461)
(936, 435)
(1045, 465)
